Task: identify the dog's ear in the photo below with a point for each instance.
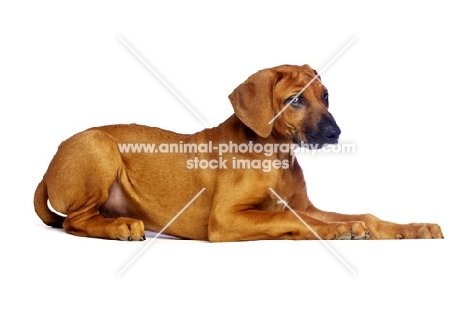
(307, 67)
(253, 101)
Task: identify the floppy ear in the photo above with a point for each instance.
(307, 67)
(253, 101)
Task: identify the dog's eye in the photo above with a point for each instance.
(295, 100)
(325, 98)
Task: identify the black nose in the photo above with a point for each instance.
(331, 132)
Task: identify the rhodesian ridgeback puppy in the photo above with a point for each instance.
(245, 192)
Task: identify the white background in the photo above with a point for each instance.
(398, 92)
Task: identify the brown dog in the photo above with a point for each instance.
(114, 193)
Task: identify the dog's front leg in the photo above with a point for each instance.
(252, 224)
(381, 229)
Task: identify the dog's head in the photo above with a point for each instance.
(276, 101)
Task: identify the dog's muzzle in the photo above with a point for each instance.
(327, 132)
(330, 133)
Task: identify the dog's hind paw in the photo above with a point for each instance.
(128, 229)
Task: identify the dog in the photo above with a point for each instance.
(203, 194)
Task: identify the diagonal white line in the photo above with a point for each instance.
(313, 79)
(313, 231)
(162, 80)
(160, 232)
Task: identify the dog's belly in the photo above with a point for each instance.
(116, 204)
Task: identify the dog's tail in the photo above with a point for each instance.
(42, 209)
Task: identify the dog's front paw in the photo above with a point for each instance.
(350, 230)
(419, 231)
(129, 229)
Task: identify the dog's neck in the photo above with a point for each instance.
(233, 130)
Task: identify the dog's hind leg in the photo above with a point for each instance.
(78, 182)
